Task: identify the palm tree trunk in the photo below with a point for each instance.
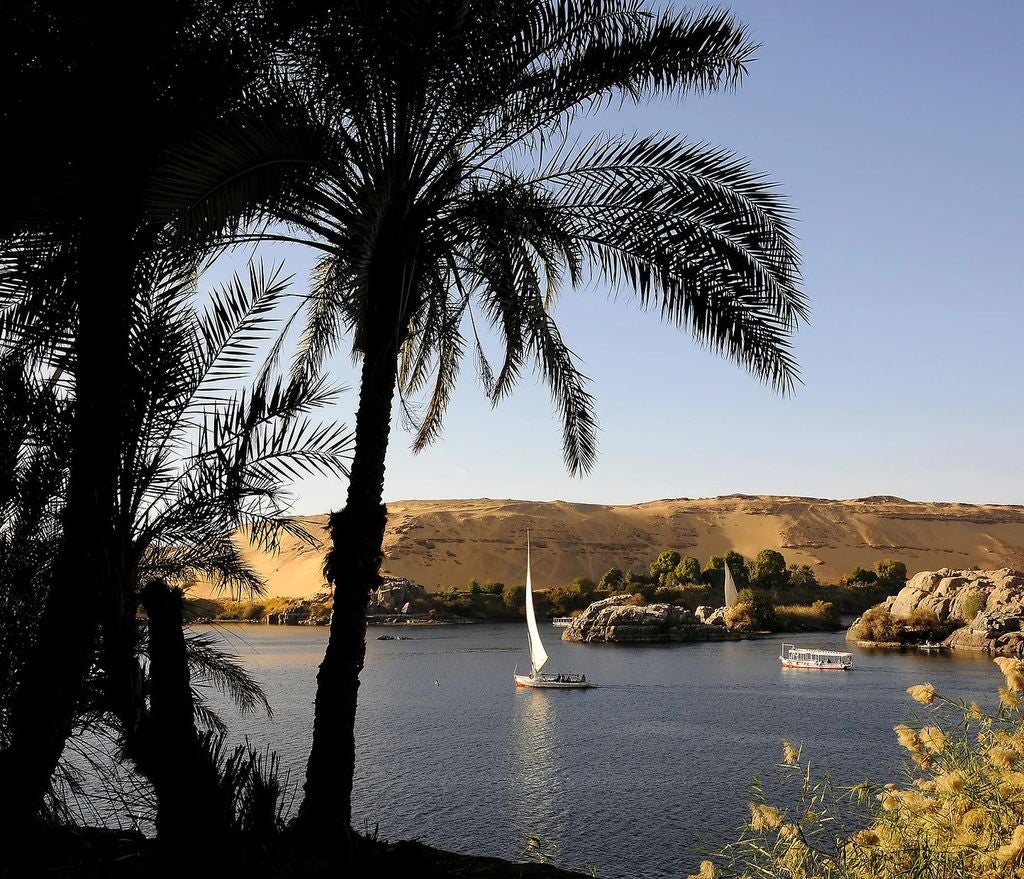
(353, 568)
(173, 757)
(44, 705)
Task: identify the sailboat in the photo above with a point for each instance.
(730, 587)
(538, 655)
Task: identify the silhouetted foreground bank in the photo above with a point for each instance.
(85, 853)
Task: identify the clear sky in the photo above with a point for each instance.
(896, 129)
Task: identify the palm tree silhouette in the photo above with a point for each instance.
(427, 150)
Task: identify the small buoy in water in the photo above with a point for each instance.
(437, 683)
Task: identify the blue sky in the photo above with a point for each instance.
(896, 130)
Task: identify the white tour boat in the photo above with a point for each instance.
(820, 660)
(561, 622)
(538, 655)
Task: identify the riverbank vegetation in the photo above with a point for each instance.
(957, 814)
(879, 626)
(773, 596)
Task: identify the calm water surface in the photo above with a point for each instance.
(621, 777)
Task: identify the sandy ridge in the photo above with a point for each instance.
(444, 542)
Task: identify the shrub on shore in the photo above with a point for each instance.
(821, 616)
(971, 605)
(250, 611)
(754, 611)
(877, 624)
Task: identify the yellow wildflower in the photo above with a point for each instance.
(795, 857)
(925, 761)
(866, 838)
(889, 802)
(707, 871)
(1013, 671)
(918, 803)
(974, 820)
(788, 831)
(974, 712)
(1012, 850)
(933, 738)
(1004, 758)
(764, 817)
(923, 693)
(1008, 698)
(907, 737)
(790, 755)
(949, 783)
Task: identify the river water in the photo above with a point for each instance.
(621, 778)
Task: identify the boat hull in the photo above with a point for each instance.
(814, 666)
(551, 682)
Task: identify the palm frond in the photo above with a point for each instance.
(211, 666)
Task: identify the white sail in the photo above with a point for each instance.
(730, 588)
(538, 655)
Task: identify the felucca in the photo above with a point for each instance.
(730, 587)
(538, 655)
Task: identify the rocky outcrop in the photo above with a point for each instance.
(315, 611)
(395, 595)
(986, 606)
(945, 592)
(614, 619)
(711, 616)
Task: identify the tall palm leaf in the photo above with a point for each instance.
(430, 157)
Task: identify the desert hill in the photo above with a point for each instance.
(441, 543)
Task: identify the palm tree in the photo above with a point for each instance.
(206, 459)
(92, 97)
(434, 165)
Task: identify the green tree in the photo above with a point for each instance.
(494, 588)
(431, 198)
(688, 570)
(475, 588)
(714, 572)
(768, 570)
(759, 609)
(611, 580)
(891, 572)
(639, 583)
(738, 566)
(802, 577)
(861, 577)
(665, 565)
(515, 597)
(581, 587)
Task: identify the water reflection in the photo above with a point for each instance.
(538, 777)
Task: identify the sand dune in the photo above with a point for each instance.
(448, 542)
